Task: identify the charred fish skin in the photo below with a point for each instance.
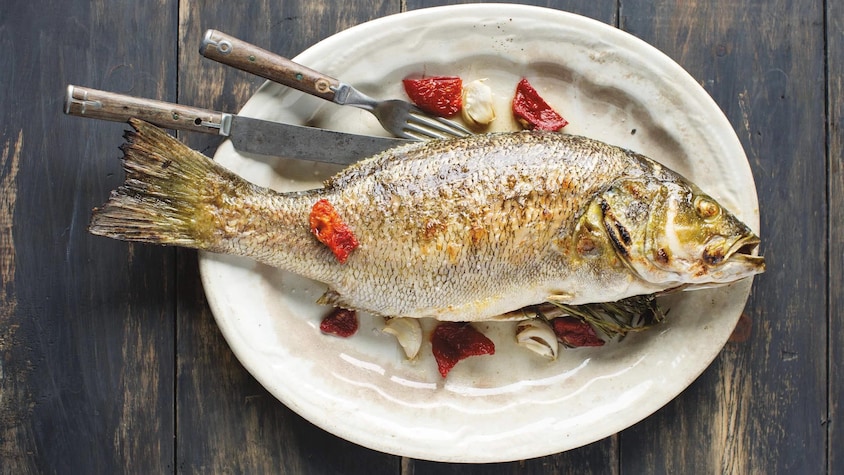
(465, 229)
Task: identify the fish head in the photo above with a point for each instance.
(668, 231)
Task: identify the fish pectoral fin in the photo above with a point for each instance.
(560, 297)
(333, 298)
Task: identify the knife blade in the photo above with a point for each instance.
(247, 134)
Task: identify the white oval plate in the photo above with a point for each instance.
(513, 405)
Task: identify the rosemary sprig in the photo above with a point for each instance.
(616, 319)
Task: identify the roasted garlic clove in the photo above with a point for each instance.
(477, 103)
(408, 332)
(537, 336)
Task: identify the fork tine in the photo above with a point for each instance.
(411, 130)
(422, 121)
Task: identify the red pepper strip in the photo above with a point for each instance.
(340, 322)
(574, 332)
(455, 341)
(438, 95)
(330, 230)
(533, 112)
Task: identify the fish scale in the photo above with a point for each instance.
(464, 230)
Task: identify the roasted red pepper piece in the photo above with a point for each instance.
(327, 226)
(575, 332)
(438, 95)
(533, 112)
(340, 322)
(455, 341)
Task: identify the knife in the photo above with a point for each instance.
(246, 134)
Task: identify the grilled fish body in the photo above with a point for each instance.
(465, 229)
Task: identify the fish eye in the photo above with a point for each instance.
(707, 208)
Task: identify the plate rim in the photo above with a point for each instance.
(701, 96)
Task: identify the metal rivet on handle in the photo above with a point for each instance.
(323, 86)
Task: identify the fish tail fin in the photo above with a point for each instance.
(168, 194)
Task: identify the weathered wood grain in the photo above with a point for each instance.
(86, 324)
(600, 457)
(835, 154)
(227, 422)
(763, 63)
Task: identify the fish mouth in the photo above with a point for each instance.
(746, 249)
(730, 262)
(739, 260)
(734, 256)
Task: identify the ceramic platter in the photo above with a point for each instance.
(513, 405)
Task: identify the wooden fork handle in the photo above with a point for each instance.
(247, 57)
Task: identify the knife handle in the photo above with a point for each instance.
(87, 102)
(247, 57)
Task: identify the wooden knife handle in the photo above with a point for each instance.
(87, 102)
(247, 57)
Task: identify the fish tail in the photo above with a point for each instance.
(169, 193)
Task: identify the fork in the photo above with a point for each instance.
(398, 117)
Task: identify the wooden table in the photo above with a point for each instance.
(111, 361)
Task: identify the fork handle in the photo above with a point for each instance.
(247, 57)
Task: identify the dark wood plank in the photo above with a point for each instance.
(760, 408)
(227, 422)
(835, 154)
(86, 324)
(600, 457)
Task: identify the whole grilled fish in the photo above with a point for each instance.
(463, 230)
